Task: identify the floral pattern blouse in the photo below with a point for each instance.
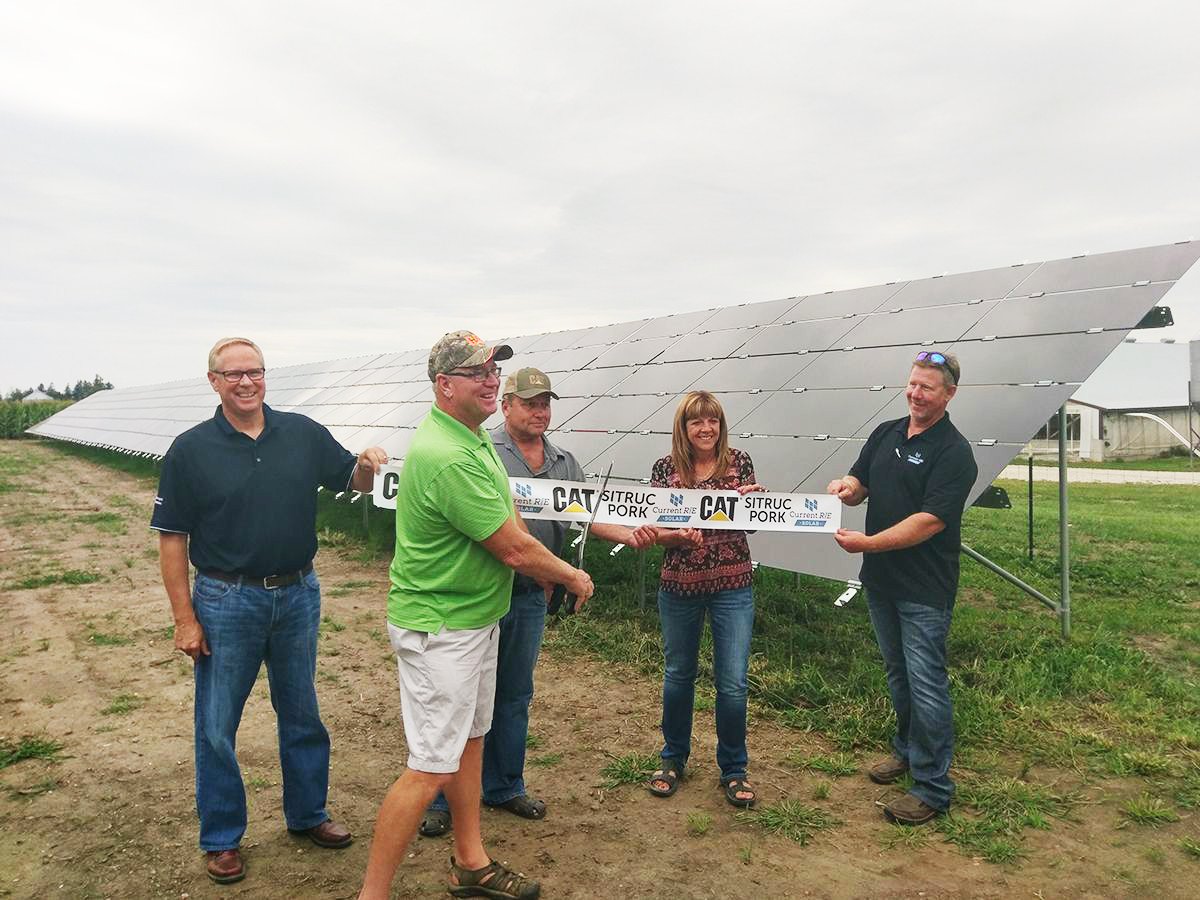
(722, 563)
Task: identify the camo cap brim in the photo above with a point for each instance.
(462, 350)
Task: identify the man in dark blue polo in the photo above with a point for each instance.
(237, 496)
(918, 471)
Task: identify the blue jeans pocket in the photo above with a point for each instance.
(211, 590)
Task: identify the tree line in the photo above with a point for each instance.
(80, 390)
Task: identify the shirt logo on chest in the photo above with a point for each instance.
(915, 458)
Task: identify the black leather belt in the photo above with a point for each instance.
(263, 581)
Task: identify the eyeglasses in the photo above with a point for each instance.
(937, 359)
(479, 375)
(233, 376)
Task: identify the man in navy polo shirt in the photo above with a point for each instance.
(918, 471)
(237, 496)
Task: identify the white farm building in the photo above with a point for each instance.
(1134, 406)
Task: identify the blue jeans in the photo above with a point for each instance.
(912, 639)
(731, 617)
(521, 632)
(246, 626)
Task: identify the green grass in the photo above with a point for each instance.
(1175, 462)
(546, 760)
(790, 819)
(993, 812)
(122, 704)
(1120, 698)
(1187, 794)
(698, 823)
(107, 522)
(100, 639)
(28, 747)
(632, 768)
(532, 741)
(989, 839)
(905, 837)
(838, 765)
(71, 577)
(144, 469)
(1190, 847)
(328, 623)
(1019, 803)
(1148, 810)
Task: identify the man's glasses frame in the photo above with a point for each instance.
(479, 375)
(233, 376)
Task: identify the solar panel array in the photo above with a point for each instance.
(803, 380)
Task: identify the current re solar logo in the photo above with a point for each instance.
(523, 490)
(677, 499)
(810, 504)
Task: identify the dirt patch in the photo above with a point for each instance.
(91, 665)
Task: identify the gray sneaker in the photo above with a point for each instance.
(887, 771)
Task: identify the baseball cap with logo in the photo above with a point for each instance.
(462, 350)
(528, 383)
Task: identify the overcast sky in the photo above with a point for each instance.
(341, 179)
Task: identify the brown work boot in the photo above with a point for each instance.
(328, 834)
(908, 810)
(888, 771)
(225, 866)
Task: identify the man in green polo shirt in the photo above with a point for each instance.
(458, 540)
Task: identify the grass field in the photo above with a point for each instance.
(1121, 699)
(1172, 463)
(1037, 718)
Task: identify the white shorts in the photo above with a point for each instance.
(447, 690)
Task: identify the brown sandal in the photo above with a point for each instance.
(493, 880)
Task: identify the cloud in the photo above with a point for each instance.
(339, 180)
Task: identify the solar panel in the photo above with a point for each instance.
(803, 379)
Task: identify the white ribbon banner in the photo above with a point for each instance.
(633, 505)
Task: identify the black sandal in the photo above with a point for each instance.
(524, 807)
(670, 774)
(435, 823)
(493, 880)
(735, 786)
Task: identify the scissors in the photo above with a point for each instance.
(560, 598)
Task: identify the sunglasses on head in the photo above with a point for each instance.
(936, 359)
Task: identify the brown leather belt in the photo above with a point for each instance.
(263, 581)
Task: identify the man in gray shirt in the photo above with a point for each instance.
(525, 451)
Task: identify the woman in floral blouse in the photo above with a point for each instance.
(705, 571)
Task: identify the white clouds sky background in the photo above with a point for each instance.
(336, 180)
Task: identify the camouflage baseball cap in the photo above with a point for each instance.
(463, 349)
(527, 384)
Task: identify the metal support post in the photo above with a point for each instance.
(1031, 506)
(1064, 540)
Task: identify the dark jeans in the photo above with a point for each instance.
(245, 627)
(521, 632)
(731, 617)
(912, 639)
